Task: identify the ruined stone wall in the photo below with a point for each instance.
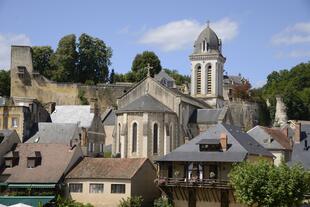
(25, 82)
(244, 114)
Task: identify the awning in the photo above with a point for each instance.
(29, 200)
(31, 185)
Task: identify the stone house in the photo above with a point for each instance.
(196, 173)
(165, 79)
(275, 140)
(8, 139)
(35, 172)
(92, 134)
(103, 182)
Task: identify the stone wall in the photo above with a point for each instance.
(244, 114)
(25, 82)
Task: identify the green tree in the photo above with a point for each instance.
(179, 78)
(263, 184)
(135, 201)
(94, 59)
(141, 61)
(63, 202)
(64, 60)
(41, 57)
(5, 83)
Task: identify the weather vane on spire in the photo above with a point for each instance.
(149, 68)
(208, 23)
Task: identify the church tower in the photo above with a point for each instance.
(207, 68)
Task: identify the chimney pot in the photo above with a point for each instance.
(297, 133)
(223, 141)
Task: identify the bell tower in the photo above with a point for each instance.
(207, 65)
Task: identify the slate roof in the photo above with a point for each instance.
(206, 116)
(73, 114)
(55, 133)
(5, 133)
(56, 158)
(240, 145)
(110, 168)
(270, 138)
(300, 153)
(210, 37)
(235, 79)
(146, 103)
(108, 117)
(162, 74)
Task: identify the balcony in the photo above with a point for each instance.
(183, 182)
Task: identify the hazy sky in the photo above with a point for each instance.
(258, 36)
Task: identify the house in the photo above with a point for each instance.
(22, 115)
(196, 173)
(108, 119)
(8, 139)
(301, 148)
(56, 133)
(230, 82)
(89, 123)
(34, 172)
(165, 79)
(275, 140)
(103, 182)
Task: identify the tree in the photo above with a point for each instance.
(141, 61)
(135, 201)
(64, 60)
(5, 83)
(41, 57)
(263, 184)
(242, 91)
(162, 202)
(179, 78)
(94, 59)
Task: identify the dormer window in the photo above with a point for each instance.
(209, 145)
(34, 159)
(11, 159)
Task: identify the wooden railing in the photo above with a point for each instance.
(183, 182)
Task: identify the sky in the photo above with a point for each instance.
(258, 36)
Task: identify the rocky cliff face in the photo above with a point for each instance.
(244, 114)
(280, 115)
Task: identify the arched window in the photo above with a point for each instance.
(119, 138)
(209, 75)
(198, 79)
(155, 138)
(203, 46)
(134, 137)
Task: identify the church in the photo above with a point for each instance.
(153, 117)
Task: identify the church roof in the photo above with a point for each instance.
(240, 145)
(210, 37)
(108, 117)
(145, 103)
(208, 116)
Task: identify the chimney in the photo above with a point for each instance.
(93, 105)
(285, 131)
(223, 141)
(297, 133)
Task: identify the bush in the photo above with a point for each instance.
(135, 201)
(162, 202)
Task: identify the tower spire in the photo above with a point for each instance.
(208, 23)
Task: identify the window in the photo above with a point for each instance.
(119, 138)
(91, 147)
(209, 74)
(14, 122)
(198, 77)
(95, 188)
(117, 188)
(203, 46)
(101, 148)
(155, 138)
(134, 137)
(75, 187)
